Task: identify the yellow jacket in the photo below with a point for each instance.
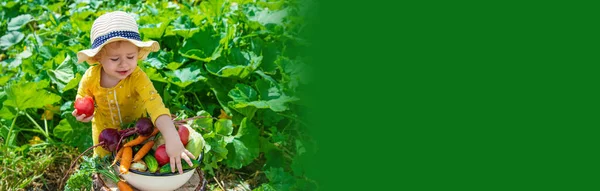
(124, 103)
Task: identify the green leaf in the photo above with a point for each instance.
(279, 179)
(11, 38)
(243, 93)
(206, 122)
(73, 83)
(239, 64)
(220, 93)
(4, 79)
(268, 90)
(294, 72)
(270, 118)
(186, 76)
(24, 95)
(265, 187)
(155, 30)
(245, 146)
(17, 22)
(7, 113)
(266, 16)
(279, 104)
(224, 127)
(203, 45)
(74, 133)
(155, 75)
(218, 146)
(273, 155)
(174, 65)
(155, 62)
(184, 26)
(221, 67)
(63, 74)
(269, 51)
(246, 110)
(14, 63)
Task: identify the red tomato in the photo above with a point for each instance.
(184, 134)
(161, 155)
(85, 106)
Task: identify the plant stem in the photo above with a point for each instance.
(37, 49)
(33, 130)
(11, 127)
(196, 96)
(38, 126)
(46, 125)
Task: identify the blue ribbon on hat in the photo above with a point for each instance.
(125, 34)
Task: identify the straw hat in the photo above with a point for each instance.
(115, 26)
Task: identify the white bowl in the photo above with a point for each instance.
(146, 181)
(158, 182)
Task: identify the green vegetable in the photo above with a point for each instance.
(195, 143)
(151, 163)
(167, 167)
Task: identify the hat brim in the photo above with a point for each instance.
(145, 48)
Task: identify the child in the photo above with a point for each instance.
(122, 92)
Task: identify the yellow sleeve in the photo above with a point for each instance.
(85, 85)
(149, 96)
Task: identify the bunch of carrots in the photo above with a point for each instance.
(125, 153)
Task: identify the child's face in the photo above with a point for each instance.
(120, 59)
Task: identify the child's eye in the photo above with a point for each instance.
(130, 57)
(114, 59)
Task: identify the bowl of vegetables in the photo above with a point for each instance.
(143, 162)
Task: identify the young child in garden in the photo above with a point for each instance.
(122, 92)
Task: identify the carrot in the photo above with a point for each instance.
(154, 132)
(123, 186)
(125, 160)
(119, 154)
(143, 151)
(140, 139)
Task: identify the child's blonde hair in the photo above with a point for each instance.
(114, 45)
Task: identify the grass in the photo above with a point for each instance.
(40, 167)
(37, 167)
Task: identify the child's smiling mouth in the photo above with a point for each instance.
(123, 72)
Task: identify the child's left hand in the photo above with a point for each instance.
(176, 152)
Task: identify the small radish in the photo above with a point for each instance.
(184, 134)
(108, 139)
(161, 155)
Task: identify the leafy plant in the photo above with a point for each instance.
(240, 63)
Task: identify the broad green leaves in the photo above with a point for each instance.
(74, 133)
(224, 127)
(11, 38)
(265, 16)
(17, 22)
(240, 57)
(63, 75)
(203, 45)
(244, 148)
(244, 96)
(238, 64)
(185, 76)
(24, 95)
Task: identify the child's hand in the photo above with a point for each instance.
(82, 117)
(176, 152)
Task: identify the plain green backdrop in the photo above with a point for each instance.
(459, 95)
